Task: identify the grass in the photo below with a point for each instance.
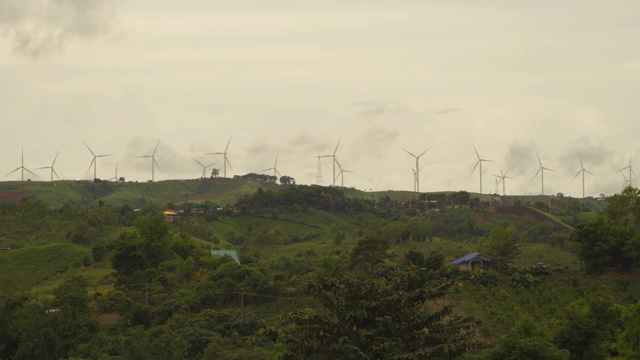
(22, 269)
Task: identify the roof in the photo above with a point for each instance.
(473, 256)
(232, 253)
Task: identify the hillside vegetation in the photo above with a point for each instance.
(95, 271)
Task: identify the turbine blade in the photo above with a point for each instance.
(228, 163)
(588, 172)
(576, 175)
(31, 172)
(474, 168)
(90, 165)
(228, 142)
(474, 149)
(105, 155)
(55, 158)
(154, 150)
(18, 168)
(91, 151)
(538, 156)
(155, 162)
(278, 172)
(276, 163)
(424, 152)
(580, 156)
(336, 150)
(44, 167)
(54, 171)
(211, 164)
(194, 159)
(505, 173)
(408, 152)
(537, 172)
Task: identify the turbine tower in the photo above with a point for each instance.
(630, 167)
(334, 161)
(53, 171)
(582, 170)
(94, 161)
(225, 158)
(414, 178)
(480, 160)
(274, 168)
(21, 167)
(154, 163)
(502, 177)
(115, 176)
(319, 176)
(541, 171)
(204, 168)
(417, 169)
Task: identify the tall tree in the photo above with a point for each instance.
(386, 317)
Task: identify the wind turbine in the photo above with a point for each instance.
(582, 170)
(334, 161)
(115, 177)
(630, 167)
(541, 170)
(480, 160)
(502, 177)
(274, 168)
(94, 161)
(341, 174)
(154, 163)
(204, 168)
(226, 160)
(21, 167)
(53, 171)
(417, 169)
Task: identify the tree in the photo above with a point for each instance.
(215, 173)
(600, 244)
(624, 208)
(370, 252)
(287, 180)
(527, 341)
(380, 318)
(502, 244)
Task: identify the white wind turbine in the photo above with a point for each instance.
(417, 169)
(630, 167)
(341, 173)
(94, 161)
(480, 160)
(21, 167)
(53, 171)
(115, 176)
(541, 171)
(225, 158)
(334, 161)
(582, 170)
(154, 163)
(204, 168)
(502, 177)
(274, 168)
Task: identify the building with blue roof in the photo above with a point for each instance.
(231, 253)
(475, 261)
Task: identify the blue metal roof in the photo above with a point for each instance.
(232, 253)
(472, 256)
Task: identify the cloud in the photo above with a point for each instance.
(43, 28)
(632, 65)
(521, 157)
(447, 110)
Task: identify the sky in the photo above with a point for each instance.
(292, 78)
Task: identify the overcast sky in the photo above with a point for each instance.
(293, 77)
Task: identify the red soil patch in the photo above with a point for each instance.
(12, 196)
(523, 211)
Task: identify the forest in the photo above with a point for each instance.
(322, 274)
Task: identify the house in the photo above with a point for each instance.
(475, 261)
(171, 215)
(231, 253)
(197, 211)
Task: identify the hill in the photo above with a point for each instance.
(220, 191)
